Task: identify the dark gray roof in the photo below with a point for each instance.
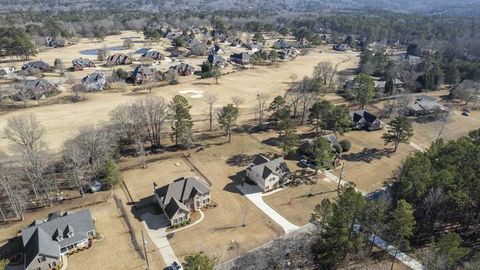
(153, 54)
(33, 85)
(244, 56)
(84, 62)
(36, 65)
(173, 207)
(40, 243)
(358, 115)
(81, 223)
(142, 70)
(182, 189)
(265, 167)
(182, 67)
(94, 77)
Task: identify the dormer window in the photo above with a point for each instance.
(68, 232)
(57, 235)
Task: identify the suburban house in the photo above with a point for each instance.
(240, 58)
(287, 54)
(35, 89)
(216, 60)
(363, 119)
(118, 59)
(281, 44)
(268, 174)
(56, 42)
(81, 63)
(303, 42)
(179, 52)
(94, 82)
(306, 144)
(37, 65)
(234, 42)
(183, 69)
(254, 47)
(216, 49)
(142, 74)
(6, 71)
(181, 197)
(46, 242)
(154, 55)
(425, 106)
(341, 47)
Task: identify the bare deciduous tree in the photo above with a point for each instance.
(324, 72)
(237, 101)
(262, 103)
(25, 133)
(210, 99)
(144, 118)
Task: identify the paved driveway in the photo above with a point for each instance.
(156, 227)
(254, 194)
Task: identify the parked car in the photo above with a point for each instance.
(305, 162)
(465, 113)
(95, 186)
(177, 266)
(169, 268)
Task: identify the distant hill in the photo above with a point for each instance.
(444, 7)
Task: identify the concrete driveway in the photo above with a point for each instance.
(156, 227)
(254, 194)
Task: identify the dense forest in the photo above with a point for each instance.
(458, 7)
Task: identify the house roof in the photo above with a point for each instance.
(84, 62)
(173, 207)
(216, 59)
(40, 243)
(182, 67)
(425, 103)
(265, 167)
(81, 222)
(41, 238)
(182, 189)
(241, 56)
(358, 115)
(93, 78)
(36, 64)
(146, 71)
(36, 84)
(154, 54)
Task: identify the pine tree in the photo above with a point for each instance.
(182, 120)
(400, 131)
(227, 118)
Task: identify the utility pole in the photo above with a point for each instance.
(244, 216)
(340, 178)
(145, 250)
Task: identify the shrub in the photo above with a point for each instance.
(337, 148)
(346, 145)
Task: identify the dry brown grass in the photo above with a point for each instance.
(296, 204)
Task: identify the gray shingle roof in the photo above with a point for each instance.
(40, 243)
(265, 167)
(81, 223)
(182, 189)
(173, 207)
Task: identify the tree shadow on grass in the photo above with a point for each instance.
(368, 155)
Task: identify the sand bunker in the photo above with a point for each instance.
(191, 93)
